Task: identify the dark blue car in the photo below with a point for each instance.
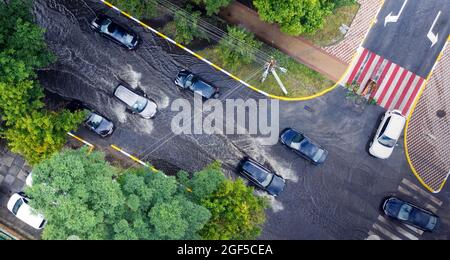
(187, 80)
(262, 177)
(410, 214)
(113, 31)
(303, 146)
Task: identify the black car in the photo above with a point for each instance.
(303, 146)
(410, 214)
(93, 121)
(99, 124)
(262, 177)
(186, 80)
(113, 31)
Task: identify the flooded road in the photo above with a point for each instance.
(338, 200)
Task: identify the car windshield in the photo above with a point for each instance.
(258, 173)
(189, 81)
(105, 25)
(140, 105)
(296, 141)
(405, 212)
(16, 207)
(94, 121)
(387, 141)
(318, 155)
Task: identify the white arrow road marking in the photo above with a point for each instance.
(394, 18)
(431, 36)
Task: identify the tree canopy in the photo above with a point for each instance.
(31, 130)
(295, 16)
(238, 47)
(84, 197)
(138, 8)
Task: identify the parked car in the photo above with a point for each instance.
(303, 146)
(262, 177)
(141, 105)
(18, 205)
(113, 31)
(410, 214)
(94, 121)
(99, 124)
(187, 80)
(386, 137)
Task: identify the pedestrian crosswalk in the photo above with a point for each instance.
(392, 86)
(386, 229)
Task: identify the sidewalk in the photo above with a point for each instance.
(13, 172)
(428, 132)
(301, 50)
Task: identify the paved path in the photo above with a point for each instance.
(345, 49)
(303, 51)
(428, 133)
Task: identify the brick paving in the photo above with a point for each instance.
(13, 172)
(345, 49)
(428, 133)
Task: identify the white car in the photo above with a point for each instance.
(18, 205)
(141, 105)
(387, 135)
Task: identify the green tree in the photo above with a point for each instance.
(39, 134)
(32, 131)
(237, 48)
(186, 25)
(137, 8)
(295, 16)
(156, 207)
(237, 214)
(77, 195)
(213, 6)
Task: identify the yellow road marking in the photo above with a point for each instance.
(134, 158)
(91, 146)
(230, 74)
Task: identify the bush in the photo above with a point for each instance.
(237, 48)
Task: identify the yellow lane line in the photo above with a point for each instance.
(91, 146)
(223, 70)
(134, 158)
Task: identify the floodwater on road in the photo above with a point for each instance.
(338, 200)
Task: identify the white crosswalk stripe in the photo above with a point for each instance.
(389, 229)
(422, 192)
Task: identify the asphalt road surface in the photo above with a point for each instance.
(339, 200)
(405, 41)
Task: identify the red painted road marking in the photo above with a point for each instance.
(405, 91)
(357, 66)
(396, 88)
(413, 97)
(383, 75)
(366, 67)
(391, 79)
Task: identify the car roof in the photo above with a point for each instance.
(126, 95)
(255, 170)
(395, 126)
(26, 214)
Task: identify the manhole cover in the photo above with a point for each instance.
(441, 113)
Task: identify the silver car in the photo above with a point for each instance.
(141, 105)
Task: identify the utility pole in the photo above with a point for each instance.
(271, 67)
